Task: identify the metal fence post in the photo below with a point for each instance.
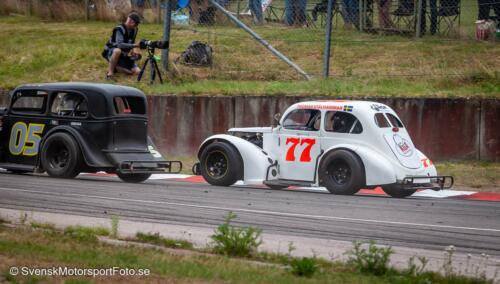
(29, 6)
(328, 40)
(166, 33)
(360, 15)
(86, 3)
(419, 18)
(238, 12)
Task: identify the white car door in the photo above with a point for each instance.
(299, 145)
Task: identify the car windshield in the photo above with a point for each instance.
(303, 119)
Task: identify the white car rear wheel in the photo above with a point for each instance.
(397, 191)
(342, 172)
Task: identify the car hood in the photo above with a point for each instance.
(252, 129)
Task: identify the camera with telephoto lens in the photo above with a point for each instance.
(152, 44)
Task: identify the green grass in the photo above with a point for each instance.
(362, 64)
(37, 248)
(156, 239)
(481, 176)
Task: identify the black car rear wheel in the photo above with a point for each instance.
(342, 172)
(61, 156)
(221, 164)
(133, 178)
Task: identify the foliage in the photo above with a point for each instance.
(305, 266)
(371, 260)
(159, 240)
(230, 240)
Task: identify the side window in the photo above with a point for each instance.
(342, 122)
(381, 121)
(69, 104)
(303, 119)
(394, 120)
(129, 105)
(32, 102)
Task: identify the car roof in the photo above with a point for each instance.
(99, 96)
(96, 89)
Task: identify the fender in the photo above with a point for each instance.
(91, 154)
(428, 166)
(378, 170)
(255, 160)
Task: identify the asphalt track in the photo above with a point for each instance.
(472, 226)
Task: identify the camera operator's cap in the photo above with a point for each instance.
(135, 17)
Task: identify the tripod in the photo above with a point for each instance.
(153, 67)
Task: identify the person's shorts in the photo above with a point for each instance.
(124, 61)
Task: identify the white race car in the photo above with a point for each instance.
(342, 145)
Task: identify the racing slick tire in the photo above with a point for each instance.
(397, 191)
(221, 164)
(342, 172)
(61, 156)
(133, 178)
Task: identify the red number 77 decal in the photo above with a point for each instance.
(306, 153)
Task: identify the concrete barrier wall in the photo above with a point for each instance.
(444, 129)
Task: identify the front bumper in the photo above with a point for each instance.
(427, 182)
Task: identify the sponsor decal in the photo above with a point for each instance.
(319, 106)
(402, 146)
(426, 162)
(348, 108)
(377, 107)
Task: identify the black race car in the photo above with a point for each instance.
(67, 128)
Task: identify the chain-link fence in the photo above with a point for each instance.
(207, 44)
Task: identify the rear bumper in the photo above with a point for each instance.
(129, 162)
(136, 167)
(427, 182)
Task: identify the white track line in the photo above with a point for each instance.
(275, 213)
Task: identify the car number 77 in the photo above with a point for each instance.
(306, 153)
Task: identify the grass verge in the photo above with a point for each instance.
(25, 247)
(362, 65)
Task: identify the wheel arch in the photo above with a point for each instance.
(92, 157)
(377, 169)
(347, 148)
(249, 153)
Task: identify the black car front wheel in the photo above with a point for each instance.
(221, 164)
(61, 156)
(133, 178)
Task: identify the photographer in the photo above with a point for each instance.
(120, 49)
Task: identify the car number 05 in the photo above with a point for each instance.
(25, 139)
(306, 153)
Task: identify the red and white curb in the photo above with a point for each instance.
(469, 195)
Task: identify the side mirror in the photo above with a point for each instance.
(277, 118)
